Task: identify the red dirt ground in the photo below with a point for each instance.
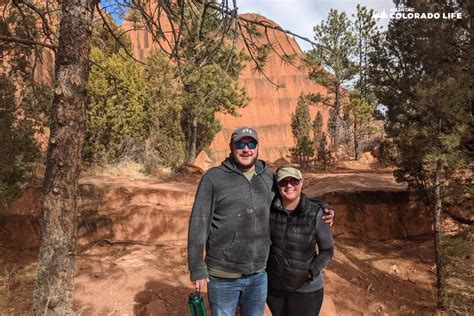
(116, 276)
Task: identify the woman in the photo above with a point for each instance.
(295, 283)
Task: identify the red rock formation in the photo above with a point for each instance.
(270, 108)
(369, 205)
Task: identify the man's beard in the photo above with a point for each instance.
(242, 166)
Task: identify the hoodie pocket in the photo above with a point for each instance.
(237, 251)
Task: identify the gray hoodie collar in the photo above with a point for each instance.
(228, 165)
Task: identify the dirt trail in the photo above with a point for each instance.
(394, 276)
(116, 275)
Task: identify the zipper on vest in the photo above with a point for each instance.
(285, 234)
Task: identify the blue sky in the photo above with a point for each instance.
(300, 16)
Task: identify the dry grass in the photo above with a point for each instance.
(17, 283)
(124, 168)
(459, 252)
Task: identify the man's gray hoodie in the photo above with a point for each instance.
(230, 220)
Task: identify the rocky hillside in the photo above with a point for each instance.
(270, 107)
(369, 205)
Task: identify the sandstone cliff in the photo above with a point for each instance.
(270, 108)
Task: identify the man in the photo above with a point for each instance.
(230, 220)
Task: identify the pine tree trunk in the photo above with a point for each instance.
(187, 141)
(361, 76)
(191, 141)
(334, 120)
(192, 153)
(437, 240)
(356, 142)
(364, 75)
(55, 282)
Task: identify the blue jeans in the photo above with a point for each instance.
(249, 291)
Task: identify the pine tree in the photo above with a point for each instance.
(18, 150)
(360, 114)
(318, 127)
(423, 77)
(58, 220)
(24, 104)
(364, 30)
(208, 66)
(323, 155)
(303, 151)
(19, 64)
(331, 65)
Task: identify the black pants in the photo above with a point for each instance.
(295, 303)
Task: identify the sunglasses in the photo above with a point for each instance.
(241, 145)
(294, 182)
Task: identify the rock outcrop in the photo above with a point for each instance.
(119, 209)
(270, 107)
(109, 209)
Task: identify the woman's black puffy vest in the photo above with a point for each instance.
(293, 246)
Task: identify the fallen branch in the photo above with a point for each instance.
(125, 241)
(459, 218)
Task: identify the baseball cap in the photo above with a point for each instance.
(288, 171)
(242, 132)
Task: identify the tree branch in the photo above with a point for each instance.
(28, 42)
(112, 32)
(44, 21)
(459, 218)
(227, 11)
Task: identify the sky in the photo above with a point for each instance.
(300, 16)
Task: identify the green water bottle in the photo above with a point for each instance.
(196, 304)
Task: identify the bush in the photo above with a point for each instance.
(18, 149)
(117, 108)
(129, 150)
(165, 146)
(388, 153)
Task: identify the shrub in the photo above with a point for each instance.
(388, 153)
(18, 149)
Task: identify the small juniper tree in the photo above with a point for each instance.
(359, 114)
(303, 151)
(165, 144)
(322, 156)
(118, 106)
